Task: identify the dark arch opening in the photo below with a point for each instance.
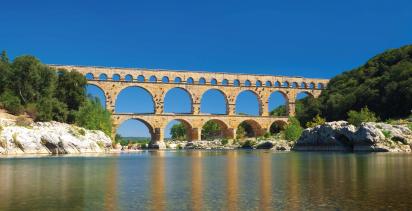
(165, 79)
(277, 84)
(312, 85)
(178, 130)
(277, 104)
(213, 81)
(268, 84)
(248, 129)
(214, 129)
(134, 100)
(258, 83)
(213, 101)
(178, 100)
(295, 85)
(276, 127)
(303, 85)
(320, 86)
(248, 83)
(248, 103)
(285, 84)
(134, 133)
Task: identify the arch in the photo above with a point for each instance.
(89, 76)
(173, 132)
(312, 85)
(320, 86)
(277, 104)
(248, 103)
(128, 77)
(248, 83)
(178, 100)
(140, 78)
(225, 82)
(116, 77)
(277, 84)
(303, 94)
(134, 99)
(285, 84)
(177, 80)
(295, 85)
(214, 129)
(165, 79)
(133, 128)
(277, 126)
(213, 81)
(251, 128)
(258, 83)
(214, 101)
(236, 82)
(303, 85)
(268, 83)
(103, 77)
(153, 79)
(202, 80)
(190, 80)
(96, 91)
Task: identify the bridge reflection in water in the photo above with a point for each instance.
(206, 180)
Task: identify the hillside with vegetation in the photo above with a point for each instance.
(383, 85)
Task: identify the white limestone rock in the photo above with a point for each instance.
(50, 138)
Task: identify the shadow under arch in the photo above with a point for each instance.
(277, 126)
(204, 97)
(170, 99)
(210, 132)
(251, 128)
(239, 108)
(188, 129)
(145, 96)
(94, 90)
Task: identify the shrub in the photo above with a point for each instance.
(93, 116)
(23, 121)
(11, 103)
(293, 130)
(248, 144)
(317, 120)
(225, 141)
(386, 133)
(82, 132)
(266, 135)
(364, 115)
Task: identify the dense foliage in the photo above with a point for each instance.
(178, 132)
(383, 84)
(30, 87)
(211, 130)
(364, 115)
(293, 130)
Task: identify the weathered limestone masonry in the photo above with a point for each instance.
(158, 82)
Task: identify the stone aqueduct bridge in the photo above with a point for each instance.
(158, 82)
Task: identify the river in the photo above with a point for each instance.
(208, 180)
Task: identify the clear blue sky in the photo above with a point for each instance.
(305, 38)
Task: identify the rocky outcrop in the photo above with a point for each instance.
(50, 138)
(342, 136)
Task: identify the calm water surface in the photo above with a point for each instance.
(208, 180)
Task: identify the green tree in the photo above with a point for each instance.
(178, 131)
(211, 130)
(293, 130)
(93, 116)
(364, 115)
(70, 90)
(11, 102)
(51, 109)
